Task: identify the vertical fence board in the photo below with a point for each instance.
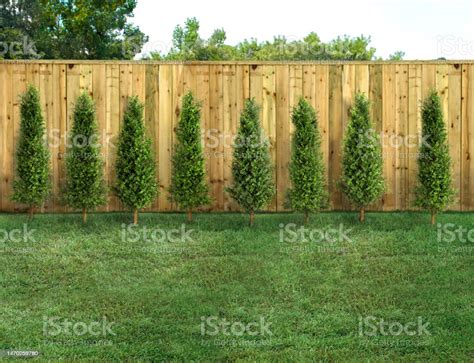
(209, 138)
(467, 147)
(388, 135)
(348, 97)
(454, 130)
(165, 130)
(269, 117)
(46, 94)
(376, 110)
(335, 135)
(403, 136)
(242, 90)
(414, 128)
(321, 105)
(18, 88)
(216, 159)
(99, 93)
(8, 151)
(282, 133)
(152, 107)
(230, 127)
(113, 121)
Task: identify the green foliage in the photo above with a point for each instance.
(84, 184)
(252, 186)
(362, 179)
(434, 191)
(73, 29)
(188, 45)
(136, 184)
(188, 183)
(308, 192)
(19, 19)
(32, 184)
(396, 56)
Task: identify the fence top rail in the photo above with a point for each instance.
(250, 63)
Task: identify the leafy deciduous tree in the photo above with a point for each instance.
(72, 29)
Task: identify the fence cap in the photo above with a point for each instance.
(250, 63)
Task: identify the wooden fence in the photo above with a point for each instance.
(395, 90)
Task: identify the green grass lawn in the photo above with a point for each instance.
(165, 298)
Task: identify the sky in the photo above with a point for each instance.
(423, 29)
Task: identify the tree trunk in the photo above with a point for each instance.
(189, 215)
(362, 215)
(135, 216)
(84, 215)
(433, 217)
(30, 212)
(252, 217)
(306, 217)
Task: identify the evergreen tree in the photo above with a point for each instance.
(362, 177)
(188, 183)
(136, 184)
(84, 184)
(252, 186)
(32, 184)
(434, 191)
(308, 191)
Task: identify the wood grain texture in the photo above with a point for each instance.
(395, 90)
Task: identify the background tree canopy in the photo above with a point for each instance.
(70, 29)
(100, 29)
(188, 45)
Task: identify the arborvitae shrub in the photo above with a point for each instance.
(136, 184)
(362, 174)
(252, 186)
(32, 184)
(188, 183)
(84, 174)
(434, 191)
(308, 184)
